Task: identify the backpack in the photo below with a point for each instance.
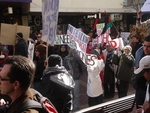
(43, 104)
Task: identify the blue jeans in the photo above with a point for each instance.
(76, 93)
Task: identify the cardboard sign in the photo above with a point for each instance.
(8, 33)
(49, 20)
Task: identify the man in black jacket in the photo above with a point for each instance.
(57, 84)
(21, 47)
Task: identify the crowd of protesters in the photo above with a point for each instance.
(113, 68)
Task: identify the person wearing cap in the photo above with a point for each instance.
(139, 82)
(144, 70)
(21, 47)
(125, 63)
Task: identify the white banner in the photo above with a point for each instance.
(30, 51)
(99, 28)
(77, 37)
(146, 7)
(125, 37)
(62, 39)
(49, 20)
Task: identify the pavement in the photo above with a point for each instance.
(84, 97)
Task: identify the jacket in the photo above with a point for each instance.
(125, 66)
(21, 48)
(138, 55)
(55, 90)
(75, 65)
(16, 104)
(94, 84)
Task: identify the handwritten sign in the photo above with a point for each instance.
(49, 20)
(99, 28)
(78, 36)
(62, 39)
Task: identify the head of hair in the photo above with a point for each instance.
(41, 48)
(54, 60)
(22, 69)
(71, 53)
(147, 39)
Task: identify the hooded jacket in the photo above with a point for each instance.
(56, 85)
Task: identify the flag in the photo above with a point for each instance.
(108, 23)
(95, 22)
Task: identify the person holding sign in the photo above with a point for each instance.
(145, 24)
(125, 63)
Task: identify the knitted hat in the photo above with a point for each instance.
(128, 47)
(19, 35)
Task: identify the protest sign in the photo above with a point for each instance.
(78, 37)
(61, 39)
(146, 7)
(49, 20)
(125, 37)
(8, 33)
(30, 51)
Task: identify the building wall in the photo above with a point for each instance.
(84, 6)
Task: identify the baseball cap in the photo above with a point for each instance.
(144, 64)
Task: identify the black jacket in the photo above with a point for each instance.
(21, 48)
(59, 95)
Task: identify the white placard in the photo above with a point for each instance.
(146, 7)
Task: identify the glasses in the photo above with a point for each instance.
(4, 79)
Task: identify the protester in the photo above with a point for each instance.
(125, 69)
(144, 24)
(74, 66)
(16, 78)
(21, 47)
(56, 88)
(140, 84)
(137, 43)
(40, 52)
(144, 69)
(109, 74)
(94, 83)
(39, 40)
(63, 51)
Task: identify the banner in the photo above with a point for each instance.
(146, 7)
(78, 38)
(61, 39)
(125, 37)
(31, 51)
(100, 27)
(49, 20)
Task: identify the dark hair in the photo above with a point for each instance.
(147, 38)
(54, 60)
(42, 50)
(22, 69)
